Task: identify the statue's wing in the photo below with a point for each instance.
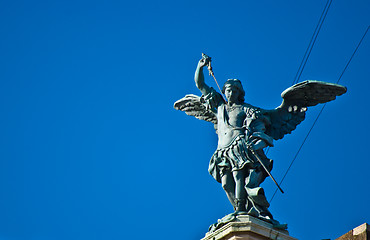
(296, 99)
(310, 93)
(191, 104)
(282, 121)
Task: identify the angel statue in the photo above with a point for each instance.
(239, 162)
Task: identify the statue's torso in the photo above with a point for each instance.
(230, 124)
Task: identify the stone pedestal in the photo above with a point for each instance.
(248, 228)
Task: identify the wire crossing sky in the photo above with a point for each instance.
(312, 42)
(306, 56)
(322, 109)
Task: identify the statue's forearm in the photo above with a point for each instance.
(261, 140)
(199, 80)
(260, 144)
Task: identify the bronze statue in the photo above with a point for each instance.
(239, 162)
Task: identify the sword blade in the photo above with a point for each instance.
(264, 167)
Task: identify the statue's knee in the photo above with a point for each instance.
(255, 191)
(226, 186)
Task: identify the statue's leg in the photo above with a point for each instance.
(240, 192)
(254, 178)
(256, 194)
(228, 185)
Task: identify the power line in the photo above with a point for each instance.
(312, 42)
(353, 54)
(309, 48)
(295, 156)
(322, 109)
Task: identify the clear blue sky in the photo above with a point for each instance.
(91, 147)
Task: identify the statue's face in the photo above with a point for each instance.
(232, 94)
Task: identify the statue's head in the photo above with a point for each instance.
(234, 86)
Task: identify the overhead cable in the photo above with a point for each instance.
(322, 109)
(312, 42)
(309, 48)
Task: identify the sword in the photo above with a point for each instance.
(208, 59)
(264, 167)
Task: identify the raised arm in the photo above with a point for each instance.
(199, 77)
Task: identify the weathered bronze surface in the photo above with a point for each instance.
(239, 162)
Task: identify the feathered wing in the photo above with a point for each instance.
(285, 118)
(191, 104)
(283, 122)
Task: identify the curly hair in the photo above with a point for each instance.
(235, 83)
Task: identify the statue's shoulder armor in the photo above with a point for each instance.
(252, 111)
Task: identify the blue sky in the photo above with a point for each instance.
(91, 147)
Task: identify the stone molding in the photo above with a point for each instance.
(248, 228)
